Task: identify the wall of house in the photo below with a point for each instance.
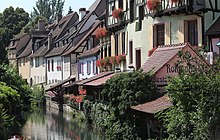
(82, 65)
(66, 67)
(55, 75)
(142, 40)
(38, 71)
(24, 68)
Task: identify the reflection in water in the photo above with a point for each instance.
(50, 125)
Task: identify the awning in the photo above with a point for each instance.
(71, 79)
(100, 81)
(155, 106)
(98, 76)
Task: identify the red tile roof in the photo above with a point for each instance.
(155, 106)
(100, 81)
(161, 56)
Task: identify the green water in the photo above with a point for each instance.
(52, 125)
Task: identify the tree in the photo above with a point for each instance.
(11, 22)
(49, 9)
(195, 95)
(123, 91)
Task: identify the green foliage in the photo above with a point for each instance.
(195, 95)
(11, 77)
(6, 121)
(48, 9)
(37, 96)
(33, 24)
(123, 91)
(11, 22)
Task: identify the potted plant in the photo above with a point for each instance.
(112, 60)
(120, 58)
(117, 13)
(152, 5)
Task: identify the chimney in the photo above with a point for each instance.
(82, 13)
(41, 25)
(49, 41)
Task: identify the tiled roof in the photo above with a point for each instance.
(214, 29)
(27, 51)
(100, 81)
(83, 39)
(161, 56)
(155, 106)
(90, 52)
(98, 7)
(40, 52)
(55, 51)
(82, 82)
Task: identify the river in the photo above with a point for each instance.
(52, 125)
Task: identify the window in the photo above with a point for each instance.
(88, 67)
(37, 62)
(105, 51)
(120, 4)
(116, 44)
(191, 32)
(131, 52)
(141, 16)
(23, 59)
(94, 66)
(52, 65)
(138, 59)
(82, 68)
(131, 10)
(32, 64)
(109, 50)
(48, 65)
(123, 43)
(79, 67)
(158, 33)
(58, 65)
(111, 6)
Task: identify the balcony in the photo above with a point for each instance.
(169, 7)
(117, 22)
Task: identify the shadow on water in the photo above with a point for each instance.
(53, 125)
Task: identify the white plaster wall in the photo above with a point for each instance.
(55, 76)
(38, 74)
(141, 40)
(86, 75)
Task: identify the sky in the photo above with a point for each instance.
(29, 4)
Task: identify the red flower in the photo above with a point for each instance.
(79, 98)
(112, 60)
(120, 58)
(82, 91)
(101, 32)
(152, 4)
(117, 13)
(98, 63)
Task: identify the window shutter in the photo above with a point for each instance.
(199, 26)
(154, 36)
(113, 45)
(181, 31)
(167, 33)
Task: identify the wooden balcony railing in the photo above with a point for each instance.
(111, 21)
(167, 7)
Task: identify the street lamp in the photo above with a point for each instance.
(218, 45)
